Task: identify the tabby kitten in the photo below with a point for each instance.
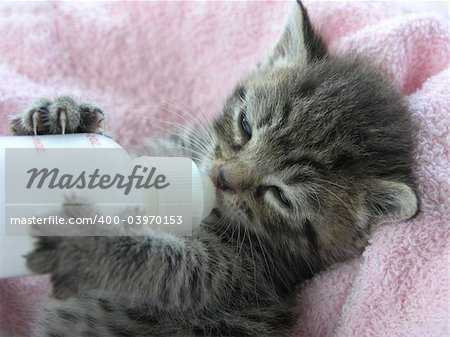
(309, 154)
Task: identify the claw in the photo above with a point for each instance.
(62, 121)
(101, 124)
(35, 119)
(100, 120)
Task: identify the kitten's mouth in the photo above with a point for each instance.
(224, 202)
(220, 191)
(214, 174)
(219, 198)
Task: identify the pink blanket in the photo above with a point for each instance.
(144, 60)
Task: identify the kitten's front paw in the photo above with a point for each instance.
(42, 260)
(62, 115)
(63, 249)
(61, 257)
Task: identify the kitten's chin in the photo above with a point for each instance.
(219, 207)
(214, 216)
(227, 207)
(224, 203)
(220, 198)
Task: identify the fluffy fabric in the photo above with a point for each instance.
(149, 61)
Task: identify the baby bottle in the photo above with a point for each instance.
(40, 173)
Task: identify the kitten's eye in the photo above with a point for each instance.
(245, 125)
(281, 196)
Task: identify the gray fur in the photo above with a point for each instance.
(328, 158)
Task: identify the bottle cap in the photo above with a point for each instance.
(185, 177)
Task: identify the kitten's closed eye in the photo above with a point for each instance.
(281, 196)
(245, 126)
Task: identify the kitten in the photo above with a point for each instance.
(309, 154)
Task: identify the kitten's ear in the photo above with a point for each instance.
(391, 201)
(298, 42)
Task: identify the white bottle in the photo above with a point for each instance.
(198, 201)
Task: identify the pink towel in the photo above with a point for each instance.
(158, 60)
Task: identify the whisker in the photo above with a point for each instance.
(331, 183)
(199, 145)
(180, 127)
(182, 111)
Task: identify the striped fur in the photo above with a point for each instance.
(328, 158)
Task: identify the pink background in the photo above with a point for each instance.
(142, 60)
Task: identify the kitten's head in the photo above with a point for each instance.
(312, 151)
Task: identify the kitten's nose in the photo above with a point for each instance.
(223, 181)
(233, 177)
